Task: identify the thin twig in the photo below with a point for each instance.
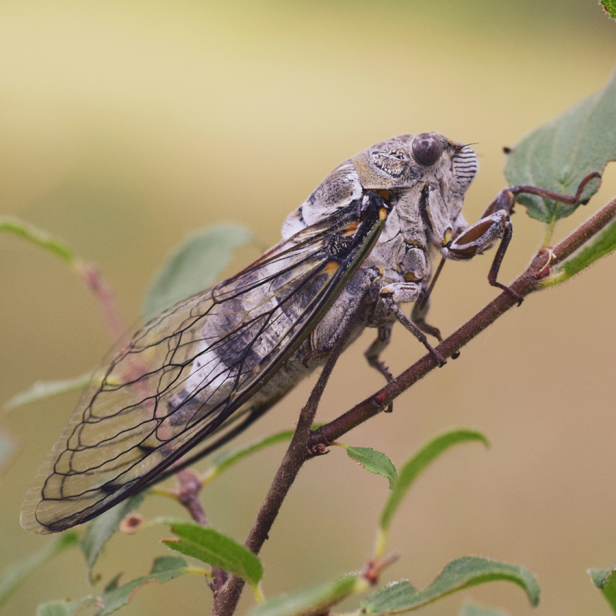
(585, 231)
(226, 600)
(105, 298)
(188, 495)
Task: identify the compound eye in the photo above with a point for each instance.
(427, 149)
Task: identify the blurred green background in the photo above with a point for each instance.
(126, 125)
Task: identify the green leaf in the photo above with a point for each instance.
(373, 461)
(102, 528)
(66, 607)
(165, 569)
(610, 7)
(216, 549)
(315, 600)
(479, 610)
(462, 573)
(559, 154)
(414, 466)
(223, 460)
(36, 236)
(7, 449)
(605, 581)
(46, 389)
(194, 266)
(19, 570)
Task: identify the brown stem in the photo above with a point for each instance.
(226, 600)
(105, 298)
(188, 495)
(305, 442)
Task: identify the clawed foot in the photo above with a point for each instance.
(511, 292)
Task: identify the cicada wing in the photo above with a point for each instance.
(118, 429)
(188, 370)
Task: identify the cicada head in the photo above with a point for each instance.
(406, 160)
(427, 175)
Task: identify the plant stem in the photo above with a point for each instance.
(585, 231)
(548, 233)
(105, 298)
(226, 600)
(188, 495)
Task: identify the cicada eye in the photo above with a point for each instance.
(427, 149)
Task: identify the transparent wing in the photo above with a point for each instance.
(187, 371)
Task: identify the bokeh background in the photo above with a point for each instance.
(126, 125)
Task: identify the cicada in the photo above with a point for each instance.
(199, 373)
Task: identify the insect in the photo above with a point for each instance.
(202, 371)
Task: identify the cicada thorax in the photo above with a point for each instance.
(423, 210)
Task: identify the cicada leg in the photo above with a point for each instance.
(373, 353)
(422, 305)
(495, 224)
(416, 325)
(389, 300)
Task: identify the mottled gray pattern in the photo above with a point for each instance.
(362, 240)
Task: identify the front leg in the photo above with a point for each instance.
(495, 224)
(480, 236)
